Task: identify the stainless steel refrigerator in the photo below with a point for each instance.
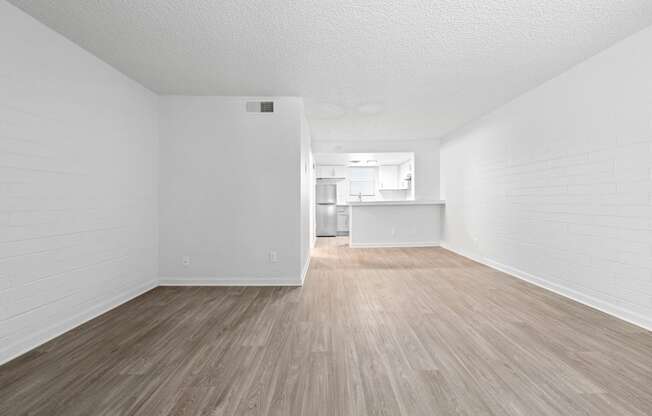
(326, 210)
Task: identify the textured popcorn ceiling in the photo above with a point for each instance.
(367, 69)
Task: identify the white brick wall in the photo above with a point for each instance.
(78, 184)
(556, 186)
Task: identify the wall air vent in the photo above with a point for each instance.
(260, 106)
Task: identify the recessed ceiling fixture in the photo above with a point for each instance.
(370, 108)
(325, 111)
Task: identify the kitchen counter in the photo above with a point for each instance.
(396, 223)
(417, 202)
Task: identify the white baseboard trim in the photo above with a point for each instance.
(228, 281)
(463, 254)
(395, 245)
(27, 344)
(304, 272)
(588, 300)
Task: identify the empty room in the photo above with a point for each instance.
(340, 207)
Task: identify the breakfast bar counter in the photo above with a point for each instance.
(396, 223)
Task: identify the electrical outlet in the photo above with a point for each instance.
(393, 230)
(185, 260)
(273, 257)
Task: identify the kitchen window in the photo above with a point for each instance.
(362, 181)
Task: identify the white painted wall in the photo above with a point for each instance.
(555, 186)
(395, 225)
(231, 191)
(426, 161)
(78, 185)
(307, 197)
(312, 208)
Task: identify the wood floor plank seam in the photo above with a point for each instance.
(373, 331)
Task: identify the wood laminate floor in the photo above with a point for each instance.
(372, 332)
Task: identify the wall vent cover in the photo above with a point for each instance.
(260, 106)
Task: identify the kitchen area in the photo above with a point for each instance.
(370, 197)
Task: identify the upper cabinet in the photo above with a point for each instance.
(388, 177)
(395, 177)
(405, 174)
(331, 171)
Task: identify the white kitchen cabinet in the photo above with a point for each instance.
(325, 171)
(388, 177)
(395, 177)
(341, 171)
(405, 175)
(331, 171)
(342, 220)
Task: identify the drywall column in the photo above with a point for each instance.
(232, 191)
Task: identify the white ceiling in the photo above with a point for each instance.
(390, 158)
(368, 69)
